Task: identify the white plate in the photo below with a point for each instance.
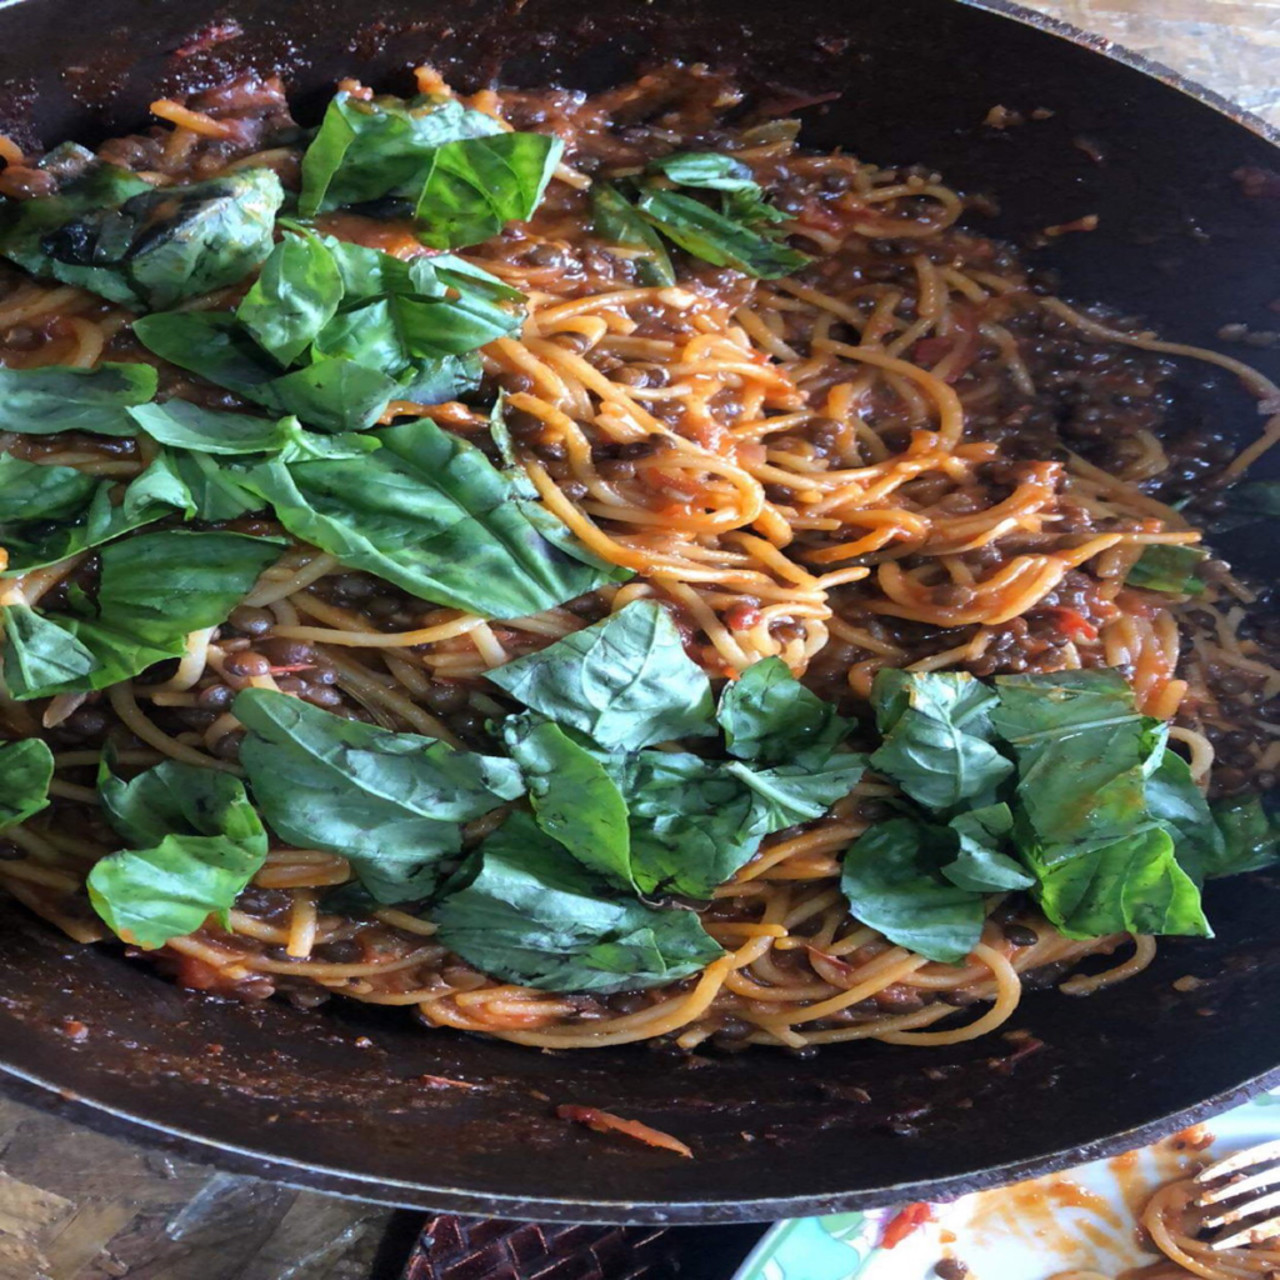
(1083, 1218)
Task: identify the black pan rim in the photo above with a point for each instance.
(406, 1195)
(101, 1115)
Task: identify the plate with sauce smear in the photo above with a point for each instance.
(1082, 1224)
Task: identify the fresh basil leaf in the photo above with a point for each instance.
(61, 398)
(1250, 835)
(709, 170)
(198, 485)
(395, 330)
(295, 296)
(574, 799)
(717, 239)
(1177, 804)
(768, 716)
(32, 491)
(936, 728)
(185, 425)
(39, 654)
(154, 589)
(429, 512)
(474, 187)
(1132, 885)
(530, 914)
(91, 198)
(979, 864)
(1084, 754)
(1169, 568)
(154, 247)
(694, 822)
(365, 150)
(892, 878)
(26, 769)
(626, 682)
(793, 793)
(615, 221)
(391, 803)
(202, 842)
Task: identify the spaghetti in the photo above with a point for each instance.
(904, 455)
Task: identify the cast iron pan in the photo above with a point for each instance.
(337, 1099)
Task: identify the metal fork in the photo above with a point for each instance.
(1243, 1194)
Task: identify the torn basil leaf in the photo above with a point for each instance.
(1172, 569)
(429, 512)
(893, 880)
(1250, 836)
(367, 149)
(716, 238)
(359, 328)
(391, 803)
(979, 864)
(768, 716)
(32, 491)
(62, 398)
(1130, 885)
(616, 222)
(153, 590)
(937, 731)
(626, 682)
(200, 843)
(574, 799)
(526, 912)
(26, 769)
(475, 187)
(144, 246)
(1083, 752)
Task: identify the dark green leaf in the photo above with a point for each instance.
(40, 654)
(716, 238)
(476, 186)
(1169, 568)
(695, 822)
(59, 398)
(201, 843)
(1083, 755)
(710, 170)
(937, 729)
(768, 716)
(626, 682)
(155, 246)
(616, 222)
(429, 512)
(892, 878)
(574, 799)
(979, 864)
(531, 914)
(1248, 503)
(1174, 801)
(26, 769)
(1251, 837)
(31, 491)
(1132, 885)
(184, 425)
(296, 294)
(154, 589)
(392, 803)
(366, 150)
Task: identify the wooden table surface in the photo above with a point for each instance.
(75, 1205)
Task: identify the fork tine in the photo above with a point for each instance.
(1240, 1161)
(1233, 1190)
(1239, 1213)
(1255, 1234)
